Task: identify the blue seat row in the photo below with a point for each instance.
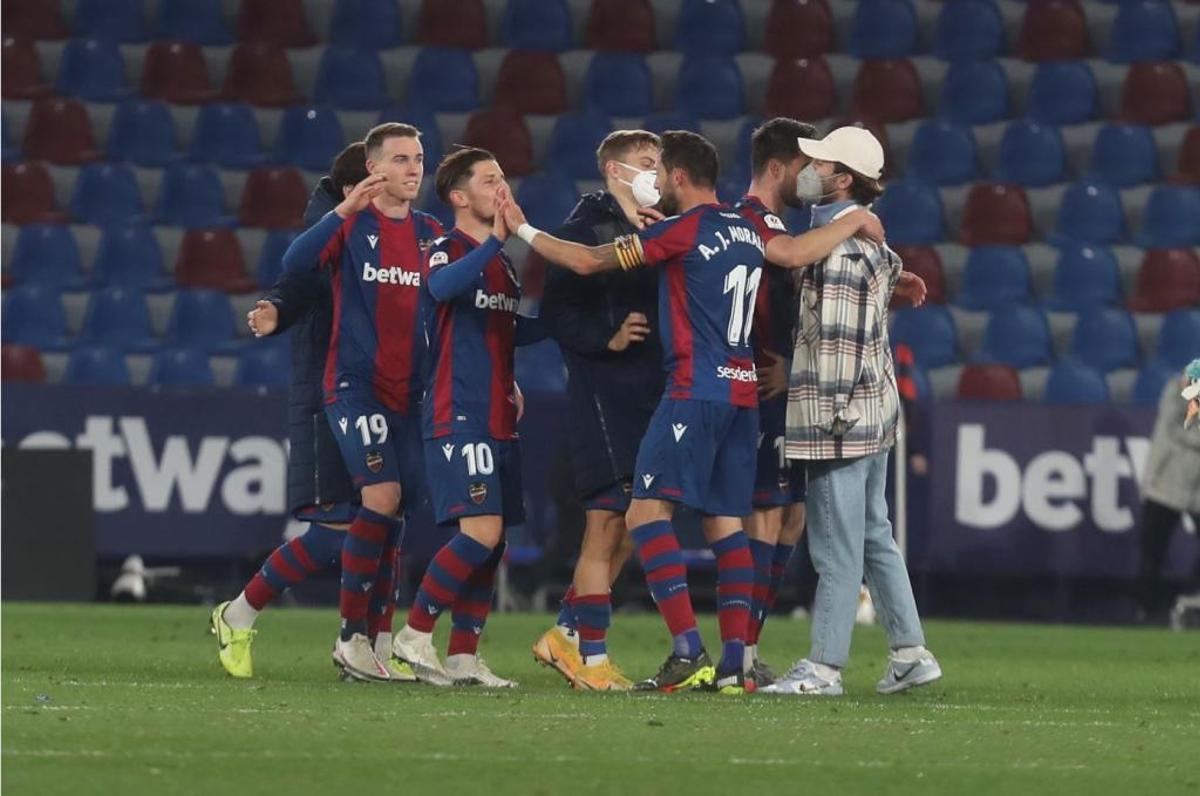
(258, 365)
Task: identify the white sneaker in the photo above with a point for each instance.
(416, 649)
(473, 670)
(358, 660)
(803, 680)
(903, 675)
(866, 608)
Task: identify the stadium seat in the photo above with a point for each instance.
(925, 263)
(350, 79)
(801, 89)
(1106, 339)
(1085, 276)
(261, 365)
(996, 213)
(624, 25)
(118, 316)
(942, 153)
(309, 137)
(227, 134)
(180, 367)
(1144, 30)
(444, 80)
(1177, 337)
(883, 29)
(799, 29)
(282, 23)
(202, 319)
(60, 132)
(994, 277)
(930, 333)
(1171, 217)
(531, 82)
(1155, 94)
(536, 25)
(1072, 382)
(46, 254)
(129, 255)
(989, 382)
(33, 315)
(1018, 336)
(142, 132)
(710, 87)
(1090, 212)
(1187, 168)
(21, 363)
(574, 142)
(35, 20)
(191, 196)
(887, 91)
(547, 199)
(1031, 154)
(1053, 30)
(462, 24)
(619, 84)
(176, 72)
(212, 258)
(92, 69)
(1168, 279)
(112, 20)
(106, 193)
(270, 260)
(197, 21)
(261, 75)
(7, 150)
(28, 195)
(96, 366)
(969, 30)
(539, 368)
(1062, 93)
(1124, 155)
(659, 123)
(974, 92)
(424, 120)
(273, 197)
(1148, 387)
(21, 71)
(911, 212)
(710, 27)
(366, 25)
(502, 131)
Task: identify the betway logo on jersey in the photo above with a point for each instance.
(736, 374)
(393, 275)
(496, 301)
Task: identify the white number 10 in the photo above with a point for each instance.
(744, 286)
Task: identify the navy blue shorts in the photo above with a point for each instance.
(777, 481)
(700, 454)
(378, 445)
(327, 513)
(472, 476)
(614, 497)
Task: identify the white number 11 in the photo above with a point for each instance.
(744, 286)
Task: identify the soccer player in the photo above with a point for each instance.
(470, 413)
(373, 245)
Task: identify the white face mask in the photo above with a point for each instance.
(645, 192)
(810, 186)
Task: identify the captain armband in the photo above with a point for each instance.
(628, 249)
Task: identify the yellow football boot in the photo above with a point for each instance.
(233, 646)
(556, 650)
(603, 676)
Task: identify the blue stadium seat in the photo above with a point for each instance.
(142, 132)
(1073, 382)
(262, 365)
(969, 30)
(745, 134)
(942, 153)
(351, 79)
(1144, 30)
(1062, 92)
(539, 368)
(129, 255)
(1090, 212)
(1179, 338)
(202, 319)
(1106, 339)
(366, 25)
(92, 69)
(8, 150)
(1171, 218)
(180, 367)
(106, 193)
(574, 141)
(33, 315)
(732, 182)
(547, 199)
(424, 120)
(46, 254)
(191, 196)
(97, 366)
(309, 137)
(659, 123)
(444, 80)
(619, 84)
(710, 88)
(1018, 336)
(884, 29)
(227, 134)
(1086, 275)
(1031, 154)
(440, 210)
(270, 261)
(1148, 387)
(114, 20)
(1124, 155)
(911, 212)
(536, 25)
(974, 92)
(994, 277)
(118, 316)
(199, 21)
(930, 333)
(710, 27)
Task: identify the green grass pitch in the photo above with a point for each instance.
(130, 700)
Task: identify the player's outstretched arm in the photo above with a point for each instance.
(577, 257)
(815, 245)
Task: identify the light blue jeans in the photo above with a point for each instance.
(849, 535)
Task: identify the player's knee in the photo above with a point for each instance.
(488, 529)
(382, 498)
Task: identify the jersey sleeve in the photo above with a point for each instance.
(667, 239)
(768, 225)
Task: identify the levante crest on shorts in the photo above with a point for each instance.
(374, 461)
(478, 493)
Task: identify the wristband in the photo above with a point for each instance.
(527, 232)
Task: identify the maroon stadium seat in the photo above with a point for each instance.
(212, 258)
(33, 19)
(60, 131)
(274, 196)
(996, 213)
(531, 82)
(1155, 94)
(176, 72)
(462, 23)
(989, 383)
(888, 90)
(21, 363)
(1187, 170)
(21, 71)
(1168, 279)
(925, 263)
(1053, 30)
(799, 29)
(621, 25)
(279, 22)
(28, 195)
(261, 75)
(502, 131)
(801, 89)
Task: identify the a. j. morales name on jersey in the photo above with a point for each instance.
(732, 234)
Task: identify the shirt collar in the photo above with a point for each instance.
(824, 214)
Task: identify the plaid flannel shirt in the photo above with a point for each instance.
(842, 397)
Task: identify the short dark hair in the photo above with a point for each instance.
(618, 142)
(382, 132)
(455, 169)
(863, 190)
(349, 167)
(692, 152)
(777, 140)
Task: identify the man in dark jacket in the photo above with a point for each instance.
(613, 355)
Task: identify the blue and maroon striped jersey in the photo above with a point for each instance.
(376, 344)
(471, 338)
(710, 261)
(776, 307)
